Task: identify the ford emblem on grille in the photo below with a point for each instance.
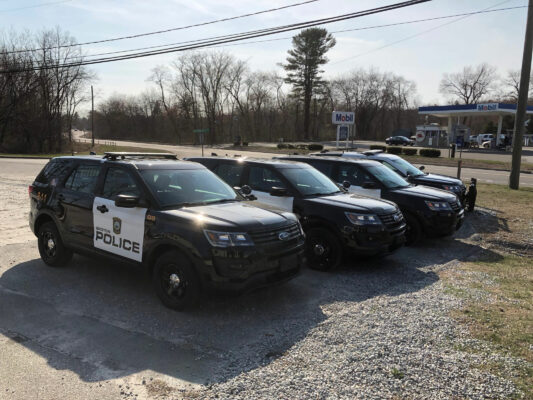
(283, 235)
(397, 217)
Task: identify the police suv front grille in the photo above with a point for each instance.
(272, 236)
(393, 221)
(455, 205)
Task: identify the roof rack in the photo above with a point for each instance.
(119, 155)
(372, 152)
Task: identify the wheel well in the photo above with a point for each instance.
(158, 251)
(316, 222)
(43, 218)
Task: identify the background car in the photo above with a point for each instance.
(427, 211)
(399, 140)
(406, 170)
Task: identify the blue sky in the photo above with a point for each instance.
(496, 38)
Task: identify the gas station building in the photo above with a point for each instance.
(433, 135)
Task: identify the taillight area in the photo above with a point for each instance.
(30, 190)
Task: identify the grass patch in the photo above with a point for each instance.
(503, 316)
(85, 148)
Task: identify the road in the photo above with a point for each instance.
(486, 176)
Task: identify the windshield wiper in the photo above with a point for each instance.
(322, 194)
(222, 201)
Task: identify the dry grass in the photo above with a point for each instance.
(503, 316)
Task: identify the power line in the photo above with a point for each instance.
(166, 30)
(290, 37)
(233, 38)
(467, 15)
(36, 6)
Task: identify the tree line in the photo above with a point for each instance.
(215, 91)
(37, 106)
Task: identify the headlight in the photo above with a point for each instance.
(438, 205)
(228, 239)
(363, 219)
(452, 188)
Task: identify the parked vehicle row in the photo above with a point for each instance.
(225, 223)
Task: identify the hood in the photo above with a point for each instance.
(234, 216)
(434, 179)
(427, 193)
(354, 202)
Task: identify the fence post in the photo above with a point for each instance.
(459, 162)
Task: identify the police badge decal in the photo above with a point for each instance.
(117, 224)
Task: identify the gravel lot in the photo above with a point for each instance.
(374, 329)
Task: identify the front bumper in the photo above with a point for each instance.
(442, 223)
(237, 270)
(369, 240)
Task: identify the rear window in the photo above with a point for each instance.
(83, 179)
(54, 169)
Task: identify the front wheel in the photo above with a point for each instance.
(175, 281)
(51, 248)
(323, 249)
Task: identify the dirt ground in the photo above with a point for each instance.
(374, 329)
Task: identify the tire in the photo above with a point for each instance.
(323, 249)
(175, 281)
(51, 248)
(413, 232)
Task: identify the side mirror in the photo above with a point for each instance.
(246, 190)
(346, 184)
(127, 201)
(278, 192)
(369, 185)
(422, 168)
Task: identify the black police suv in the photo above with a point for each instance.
(427, 210)
(407, 170)
(333, 220)
(178, 219)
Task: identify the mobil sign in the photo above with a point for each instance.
(343, 117)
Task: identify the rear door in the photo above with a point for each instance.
(76, 199)
(357, 178)
(262, 179)
(119, 230)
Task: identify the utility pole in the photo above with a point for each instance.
(92, 116)
(514, 178)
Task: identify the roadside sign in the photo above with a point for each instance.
(343, 132)
(420, 136)
(343, 117)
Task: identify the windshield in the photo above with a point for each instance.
(309, 181)
(404, 167)
(186, 187)
(388, 178)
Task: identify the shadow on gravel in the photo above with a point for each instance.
(109, 323)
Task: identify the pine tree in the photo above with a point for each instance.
(303, 66)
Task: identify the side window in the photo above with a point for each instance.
(324, 167)
(230, 173)
(119, 181)
(264, 179)
(83, 179)
(390, 166)
(352, 174)
(54, 169)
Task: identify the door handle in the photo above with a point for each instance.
(102, 208)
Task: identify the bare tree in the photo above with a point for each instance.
(512, 86)
(471, 84)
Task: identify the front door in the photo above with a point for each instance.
(119, 230)
(357, 178)
(262, 180)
